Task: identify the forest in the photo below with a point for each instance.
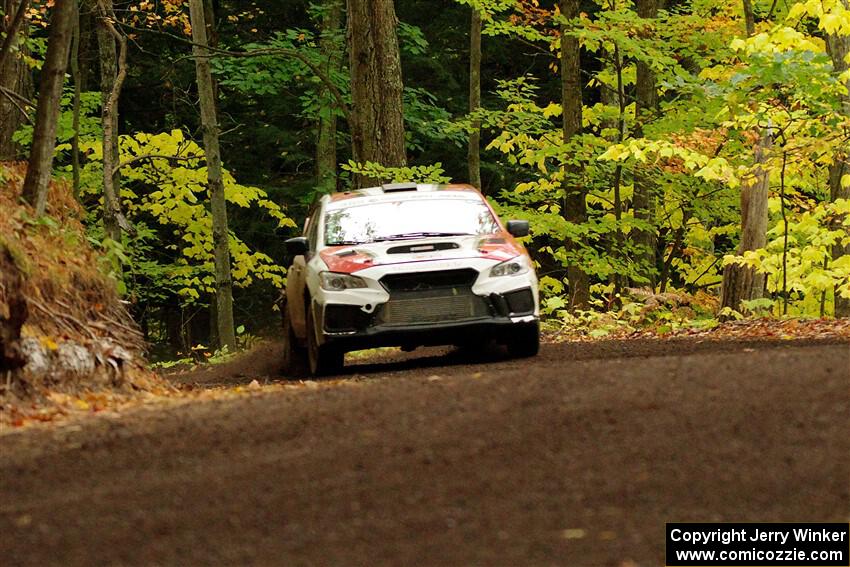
(681, 163)
(256, 307)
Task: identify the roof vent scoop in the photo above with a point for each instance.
(393, 187)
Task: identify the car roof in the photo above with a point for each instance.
(400, 191)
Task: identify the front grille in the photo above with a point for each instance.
(422, 281)
(431, 297)
(410, 310)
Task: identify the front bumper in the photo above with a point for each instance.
(425, 320)
(430, 334)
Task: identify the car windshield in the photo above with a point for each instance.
(404, 219)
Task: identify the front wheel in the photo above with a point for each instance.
(293, 353)
(324, 359)
(524, 341)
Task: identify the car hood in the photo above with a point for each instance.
(349, 259)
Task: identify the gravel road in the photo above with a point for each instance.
(576, 457)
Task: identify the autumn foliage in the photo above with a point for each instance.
(61, 316)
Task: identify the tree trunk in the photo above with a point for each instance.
(49, 97)
(643, 201)
(839, 49)
(376, 85)
(75, 77)
(610, 97)
(88, 42)
(574, 207)
(742, 283)
(14, 16)
(210, 7)
(618, 170)
(13, 310)
(15, 76)
(113, 70)
(331, 49)
(474, 155)
(749, 18)
(209, 124)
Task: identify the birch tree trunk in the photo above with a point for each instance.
(574, 207)
(47, 111)
(839, 49)
(376, 86)
(742, 283)
(331, 49)
(474, 154)
(209, 124)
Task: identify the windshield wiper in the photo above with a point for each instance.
(345, 243)
(410, 235)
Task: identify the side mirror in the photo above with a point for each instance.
(297, 246)
(518, 227)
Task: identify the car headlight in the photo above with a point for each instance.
(332, 281)
(512, 267)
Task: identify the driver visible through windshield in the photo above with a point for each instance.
(405, 219)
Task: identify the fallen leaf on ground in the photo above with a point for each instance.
(573, 533)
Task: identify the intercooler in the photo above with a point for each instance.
(431, 297)
(410, 311)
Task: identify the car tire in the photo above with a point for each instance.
(322, 359)
(294, 357)
(524, 341)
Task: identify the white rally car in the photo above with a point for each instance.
(406, 265)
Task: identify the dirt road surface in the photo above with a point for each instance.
(577, 457)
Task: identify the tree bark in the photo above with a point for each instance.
(49, 98)
(742, 283)
(474, 154)
(643, 201)
(14, 14)
(610, 97)
(13, 310)
(574, 208)
(749, 18)
(331, 49)
(618, 170)
(209, 123)
(376, 85)
(78, 92)
(839, 48)
(113, 71)
(15, 76)
(88, 42)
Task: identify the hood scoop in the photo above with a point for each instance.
(427, 247)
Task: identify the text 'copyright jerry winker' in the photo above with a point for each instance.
(806, 545)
